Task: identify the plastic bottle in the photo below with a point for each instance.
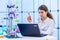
(1, 32)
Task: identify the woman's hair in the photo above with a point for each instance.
(43, 7)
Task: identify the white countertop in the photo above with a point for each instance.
(31, 38)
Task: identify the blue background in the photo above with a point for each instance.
(25, 6)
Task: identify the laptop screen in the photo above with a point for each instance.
(29, 29)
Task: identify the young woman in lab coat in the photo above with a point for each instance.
(46, 22)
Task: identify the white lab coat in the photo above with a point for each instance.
(46, 26)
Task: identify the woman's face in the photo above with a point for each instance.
(42, 13)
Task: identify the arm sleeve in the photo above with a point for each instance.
(50, 29)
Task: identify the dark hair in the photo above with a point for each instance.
(43, 7)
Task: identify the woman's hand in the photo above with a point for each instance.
(29, 18)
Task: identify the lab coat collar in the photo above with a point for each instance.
(45, 20)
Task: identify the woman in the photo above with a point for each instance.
(46, 22)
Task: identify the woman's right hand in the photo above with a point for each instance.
(29, 18)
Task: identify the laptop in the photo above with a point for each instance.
(30, 30)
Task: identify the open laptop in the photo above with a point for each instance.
(30, 30)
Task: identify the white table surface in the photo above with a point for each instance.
(31, 38)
